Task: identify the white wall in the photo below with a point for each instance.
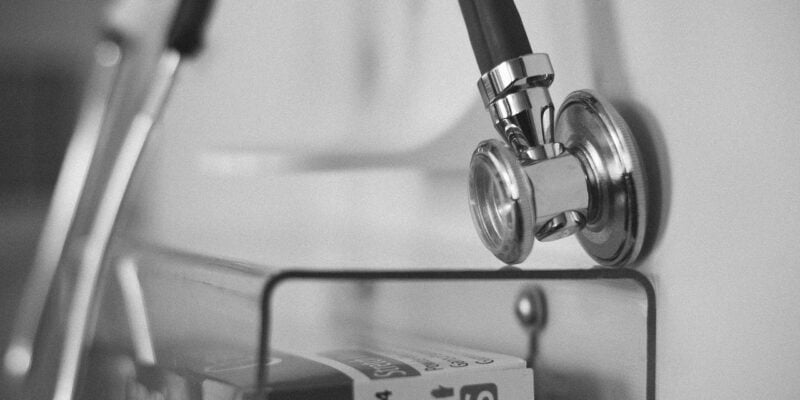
(715, 85)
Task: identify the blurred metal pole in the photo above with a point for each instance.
(184, 40)
(63, 207)
(91, 258)
(76, 191)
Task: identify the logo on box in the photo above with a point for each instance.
(484, 391)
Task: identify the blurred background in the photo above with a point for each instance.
(45, 53)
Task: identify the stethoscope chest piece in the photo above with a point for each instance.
(501, 201)
(595, 188)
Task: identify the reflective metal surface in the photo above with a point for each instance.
(511, 204)
(561, 226)
(528, 70)
(590, 128)
(559, 186)
(502, 203)
(595, 188)
(515, 93)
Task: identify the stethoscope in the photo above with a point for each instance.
(579, 172)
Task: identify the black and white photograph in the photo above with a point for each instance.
(399, 200)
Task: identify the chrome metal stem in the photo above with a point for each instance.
(515, 92)
(595, 189)
(559, 186)
(99, 237)
(516, 95)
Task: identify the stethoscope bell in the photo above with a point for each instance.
(595, 188)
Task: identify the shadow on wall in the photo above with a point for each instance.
(611, 78)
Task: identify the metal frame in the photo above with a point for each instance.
(600, 273)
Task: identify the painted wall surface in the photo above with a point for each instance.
(713, 85)
(268, 155)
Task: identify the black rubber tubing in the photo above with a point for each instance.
(186, 32)
(494, 26)
(495, 31)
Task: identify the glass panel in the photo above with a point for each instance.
(170, 322)
(597, 341)
(162, 313)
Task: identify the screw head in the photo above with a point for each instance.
(530, 308)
